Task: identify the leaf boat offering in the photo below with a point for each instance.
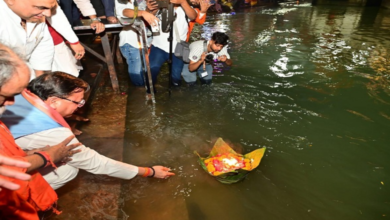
(227, 165)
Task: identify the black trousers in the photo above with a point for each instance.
(99, 7)
(71, 12)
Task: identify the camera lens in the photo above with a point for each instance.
(209, 58)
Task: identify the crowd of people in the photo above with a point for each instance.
(187, 14)
(39, 89)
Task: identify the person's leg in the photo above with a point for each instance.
(75, 15)
(207, 79)
(177, 67)
(156, 59)
(133, 60)
(99, 8)
(66, 6)
(109, 6)
(188, 76)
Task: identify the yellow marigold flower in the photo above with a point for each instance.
(210, 167)
(216, 173)
(247, 166)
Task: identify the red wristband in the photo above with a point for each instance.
(154, 172)
(49, 162)
(146, 172)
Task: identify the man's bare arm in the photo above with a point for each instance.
(190, 12)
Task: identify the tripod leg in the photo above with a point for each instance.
(146, 57)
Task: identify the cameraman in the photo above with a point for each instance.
(201, 57)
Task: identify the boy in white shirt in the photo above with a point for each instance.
(202, 54)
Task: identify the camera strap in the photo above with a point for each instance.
(205, 51)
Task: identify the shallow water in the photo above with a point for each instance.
(309, 83)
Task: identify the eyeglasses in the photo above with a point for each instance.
(79, 104)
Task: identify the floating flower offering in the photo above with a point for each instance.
(227, 165)
(223, 163)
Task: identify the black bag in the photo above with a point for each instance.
(182, 50)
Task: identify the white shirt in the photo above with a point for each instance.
(35, 41)
(197, 48)
(128, 35)
(161, 41)
(88, 159)
(85, 7)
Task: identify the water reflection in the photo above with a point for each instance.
(311, 84)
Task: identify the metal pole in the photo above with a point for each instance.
(146, 57)
(110, 61)
(170, 39)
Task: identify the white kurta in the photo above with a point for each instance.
(61, 24)
(88, 159)
(64, 60)
(35, 41)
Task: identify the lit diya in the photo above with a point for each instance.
(226, 165)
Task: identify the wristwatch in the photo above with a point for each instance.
(96, 19)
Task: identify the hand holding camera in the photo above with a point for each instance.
(206, 58)
(202, 57)
(222, 58)
(150, 18)
(209, 58)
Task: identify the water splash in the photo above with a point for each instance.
(282, 11)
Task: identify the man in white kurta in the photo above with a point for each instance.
(32, 125)
(38, 117)
(64, 60)
(22, 29)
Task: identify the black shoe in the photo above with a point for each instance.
(191, 84)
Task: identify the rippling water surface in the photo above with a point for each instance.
(309, 83)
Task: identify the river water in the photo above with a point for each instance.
(311, 84)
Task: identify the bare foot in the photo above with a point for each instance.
(75, 117)
(76, 131)
(148, 97)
